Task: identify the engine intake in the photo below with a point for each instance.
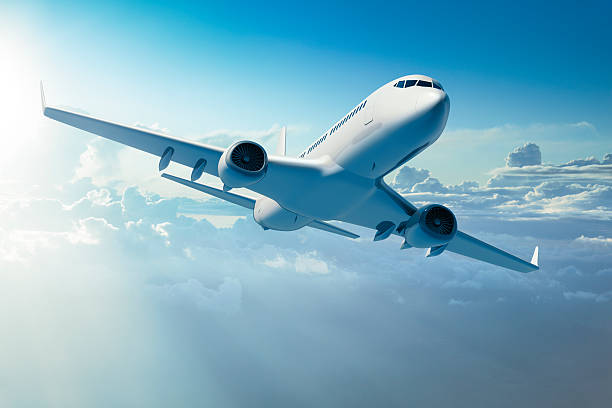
(430, 226)
(242, 164)
(248, 156)
(440, 220)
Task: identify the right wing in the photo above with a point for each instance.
(466, 245)
(182, 151)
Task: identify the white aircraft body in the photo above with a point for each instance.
(338, 177)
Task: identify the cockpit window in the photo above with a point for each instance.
(425, 84)
(437, 85)
(405, 84)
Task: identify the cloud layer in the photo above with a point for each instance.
(114, 297)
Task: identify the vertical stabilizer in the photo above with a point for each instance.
(42, 97)
(281, 149)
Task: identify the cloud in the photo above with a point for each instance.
(578, 189)
(227, 298)
(583, 162)
(588, 296)
(200, 311)
(409, 176)
(595, 240)
(458, 302)
(278, 263)
(310, 264)
(526, 155)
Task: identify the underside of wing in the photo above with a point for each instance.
(471, 247)
(202, 158)
(326, 226)
(249, 202)
(238, 199)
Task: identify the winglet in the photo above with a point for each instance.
(534, 258)
(42, 97)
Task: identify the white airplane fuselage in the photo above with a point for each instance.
(388, 128)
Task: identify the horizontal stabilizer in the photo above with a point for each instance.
(324, 226)
(469, 246)
(243, 201)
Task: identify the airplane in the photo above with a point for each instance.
(339, 177)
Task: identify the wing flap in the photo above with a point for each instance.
(466, 245)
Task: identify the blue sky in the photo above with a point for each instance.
(194, 68)
(119, 289)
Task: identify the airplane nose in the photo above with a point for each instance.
(433, 101)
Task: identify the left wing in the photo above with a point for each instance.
(466, 245)
(192, 154)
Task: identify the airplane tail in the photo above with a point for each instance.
(281, 148)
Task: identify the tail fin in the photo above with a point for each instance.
(42, 97)
(281, 149)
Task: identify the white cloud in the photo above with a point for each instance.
(213, 307)
(458, 302)
(309, 264)
(227, 298)
(527, 155)
(595, 240)
(588, 296)
(278, 263)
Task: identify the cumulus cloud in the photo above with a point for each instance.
(310, 264)
(583, 162)
(200, 311)
(578, 189)
(409, 176)
(526, 155)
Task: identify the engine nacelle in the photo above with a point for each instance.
(430, 226)
(242, 164)
(270, 215)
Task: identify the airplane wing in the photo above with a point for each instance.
(466, 245)
(196, 155)
(249, 202)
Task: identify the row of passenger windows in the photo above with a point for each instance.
(335, 128)
(412, 82)
(347, 117)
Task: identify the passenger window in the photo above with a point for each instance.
(425, 84)
(410, 82)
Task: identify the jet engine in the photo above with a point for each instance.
(432, 225)
(242, 164)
